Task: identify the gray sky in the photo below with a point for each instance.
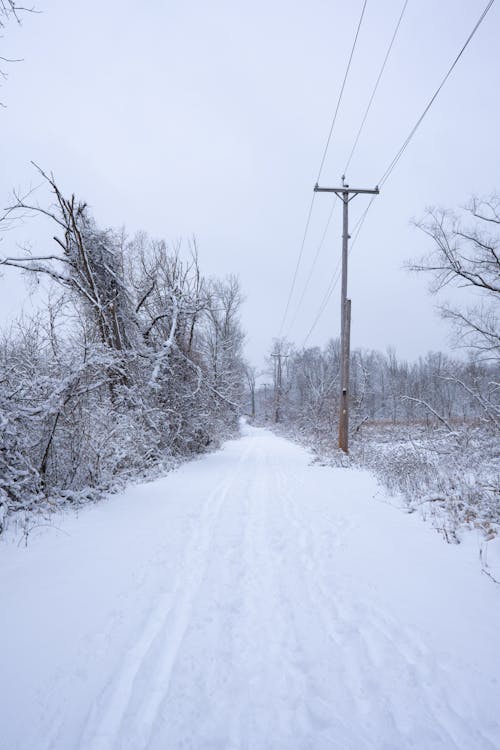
(210, 119)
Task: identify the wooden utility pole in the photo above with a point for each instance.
(277, 385)
(346, 194)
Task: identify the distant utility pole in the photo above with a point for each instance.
(346, 194)
(277, 384)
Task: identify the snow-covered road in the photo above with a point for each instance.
(248, 600)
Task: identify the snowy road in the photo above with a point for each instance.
(248, 600)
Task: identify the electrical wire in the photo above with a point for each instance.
(323, 158)
(324, 302)
(353, 149)
(313, 265)
(403, 147)
(334, 119)
(334, 280)
(394, 162)
(297, 265)
(381, 72)
(412, 132)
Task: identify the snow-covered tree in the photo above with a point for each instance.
(136, 360)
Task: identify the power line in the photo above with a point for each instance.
(334, 279)
(334, 119)
(297, 265)
(403, 147)
(324, 302)
(313, 265)
(381, 72)
(393, 164)
(325, 151)
(353, 149)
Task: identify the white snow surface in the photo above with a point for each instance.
(253, 600)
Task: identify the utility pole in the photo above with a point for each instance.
(346, 194)
(277, 384)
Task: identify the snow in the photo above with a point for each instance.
(249, 599)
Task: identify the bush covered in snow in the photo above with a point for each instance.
(429, 430)
(452, 478)
(135, 363)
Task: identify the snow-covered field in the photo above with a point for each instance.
(247, 600)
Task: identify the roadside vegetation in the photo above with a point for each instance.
(134, 363)
(429, 430)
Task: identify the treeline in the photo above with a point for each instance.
(137, 359)
(435, 390)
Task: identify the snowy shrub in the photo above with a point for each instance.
(451, 478)
(135, 364)
(428, 431)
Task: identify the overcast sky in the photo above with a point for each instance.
(210, 118)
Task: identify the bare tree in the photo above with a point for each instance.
(466, 253)
(10, 10)
(87, 261)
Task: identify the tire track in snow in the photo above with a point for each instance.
(163, 631)
(245, 623)
(316, 658)
(266, 636)
(277, 647)
(211, 678)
